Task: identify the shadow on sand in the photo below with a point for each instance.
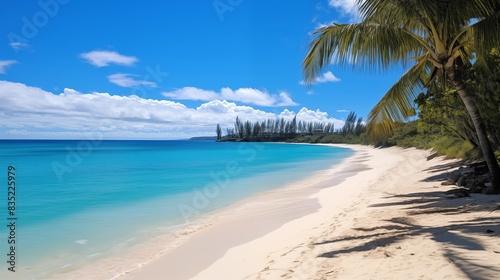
(453, 234)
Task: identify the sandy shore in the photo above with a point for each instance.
(381, 214)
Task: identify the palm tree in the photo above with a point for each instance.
(438, 39)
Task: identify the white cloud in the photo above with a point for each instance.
(321, 25)
(327, 77)
(286, 100)
(347, 8)
(244, 95)
(127, 80)
(226, 112)
(30, 112)
(105, 58)
(342, 111)
(312, 116)
(6, 63)
(191, 93)
(19, 46)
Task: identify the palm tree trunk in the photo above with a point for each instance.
(482, 136)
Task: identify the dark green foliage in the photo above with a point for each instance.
(444, 124)
(421, 135)
(484, 81)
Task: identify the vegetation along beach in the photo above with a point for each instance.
(325, 139)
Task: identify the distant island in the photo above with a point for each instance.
(203, 138)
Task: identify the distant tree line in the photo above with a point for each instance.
(280, 129)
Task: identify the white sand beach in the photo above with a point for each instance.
(380, 214)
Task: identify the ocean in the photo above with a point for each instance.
(76, 202)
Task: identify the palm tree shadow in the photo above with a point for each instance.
(442, 172)
(473, 270)
(454, 236)
(446, 166)
(437, 201)
(367, 246)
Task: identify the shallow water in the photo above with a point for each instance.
(78, 201)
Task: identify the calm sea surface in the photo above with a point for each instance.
(76, 201)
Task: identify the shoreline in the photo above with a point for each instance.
(118, 266)
(380, 209)
(268, 211)
(391, 221)
(391, 217)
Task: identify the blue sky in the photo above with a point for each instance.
(168, 69)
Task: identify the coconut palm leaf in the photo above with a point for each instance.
(439, 37)
(400, 32)
(365, 45)
(486, 33)
(398, 103)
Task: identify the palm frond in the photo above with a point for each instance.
(364, 45)
(486, 33)
(460, 11)
(438, 34)
(397, 104)
(399, 10)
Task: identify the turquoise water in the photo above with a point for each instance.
(79, 200)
